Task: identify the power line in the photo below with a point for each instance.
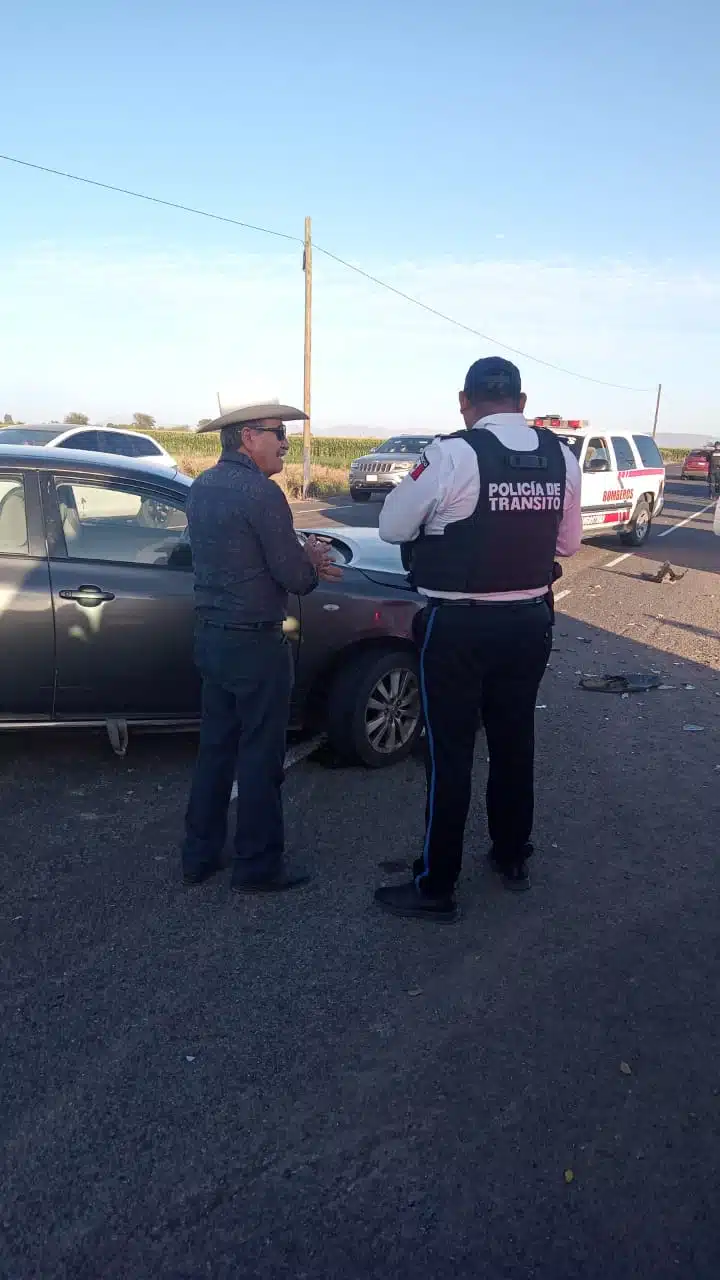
(139, 195)
(283, 235)
(468, 328)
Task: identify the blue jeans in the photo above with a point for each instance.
(247, 680)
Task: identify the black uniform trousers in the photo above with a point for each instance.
(247, 680)
(479, 659)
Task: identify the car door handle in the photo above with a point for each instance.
(89, 596)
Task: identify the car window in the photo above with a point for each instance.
(597, 448)
(119, 522)
(144, 448)
(109, 443)
(649, 452)
(125, 444)
(13, 515)
(83, 440)
(27, 435)
(624, 455)
(405, 444)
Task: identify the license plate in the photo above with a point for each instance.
(371, 477)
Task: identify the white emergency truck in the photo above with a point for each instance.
(623, 477)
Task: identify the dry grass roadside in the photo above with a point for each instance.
(325, 480)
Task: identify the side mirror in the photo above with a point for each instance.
(597, 464)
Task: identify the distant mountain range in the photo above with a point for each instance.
(679, 440)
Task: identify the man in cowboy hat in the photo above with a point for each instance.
(247, 559)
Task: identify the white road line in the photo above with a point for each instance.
(294, 756)
(680, 523)
(562, 594)
(611, 564)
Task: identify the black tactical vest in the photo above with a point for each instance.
(508, 543)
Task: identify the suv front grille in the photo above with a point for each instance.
(375, 467)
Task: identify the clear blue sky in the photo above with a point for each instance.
(558, 135)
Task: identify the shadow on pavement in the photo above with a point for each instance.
(302, 1087)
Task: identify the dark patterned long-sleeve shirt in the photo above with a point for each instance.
(246, 555)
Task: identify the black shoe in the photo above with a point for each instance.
(202, 872)
(516, 876)
(407, 900)
(276, 884)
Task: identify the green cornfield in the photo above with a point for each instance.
(327, 451)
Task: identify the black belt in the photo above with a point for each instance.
(242, 626)
(436, 601)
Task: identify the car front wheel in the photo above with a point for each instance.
(374, 712)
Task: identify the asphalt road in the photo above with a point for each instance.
(193, 1086)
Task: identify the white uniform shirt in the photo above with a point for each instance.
(448, 487)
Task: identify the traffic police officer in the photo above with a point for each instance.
(246, 558)
(483, 516)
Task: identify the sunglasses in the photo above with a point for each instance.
(280, 432)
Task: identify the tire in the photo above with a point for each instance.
(358, 495)
(638, 531)
(376, 740)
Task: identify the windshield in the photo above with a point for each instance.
(404, 444)
(574, 443)
(27, 435)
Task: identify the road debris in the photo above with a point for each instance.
(415, 991)
(626, 1068)
(693, 728)
(569, 1176)
(665, 571)
(638, 682)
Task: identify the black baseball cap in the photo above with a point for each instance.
(492, 379)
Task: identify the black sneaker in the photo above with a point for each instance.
(202, 872)
(276, 884)
(516, 876)
(407, 900)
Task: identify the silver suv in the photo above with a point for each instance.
(384, 468)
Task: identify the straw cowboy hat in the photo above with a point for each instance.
(250, 413)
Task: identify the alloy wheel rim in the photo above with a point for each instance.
(392, 711)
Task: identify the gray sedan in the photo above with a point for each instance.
(96, 612)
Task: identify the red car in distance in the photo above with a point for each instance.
(696, 465)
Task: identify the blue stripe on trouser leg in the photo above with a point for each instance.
(431, 749)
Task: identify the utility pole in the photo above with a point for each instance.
(307, 268)
(217, 393)
(657, 408)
